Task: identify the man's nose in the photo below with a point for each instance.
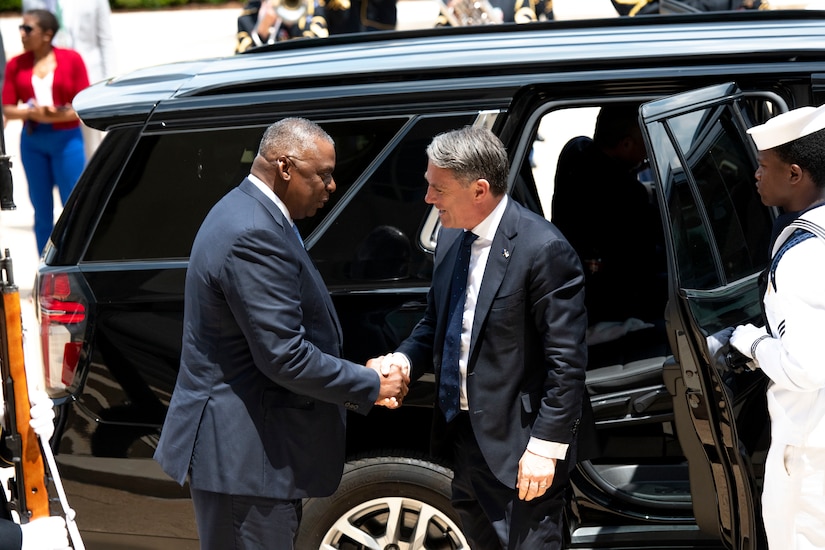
(428, 197)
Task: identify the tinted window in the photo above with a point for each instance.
(172, 180)
(374, 237)
(719, 226)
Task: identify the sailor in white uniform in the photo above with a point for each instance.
(789, 349)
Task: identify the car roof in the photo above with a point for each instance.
(413, 58)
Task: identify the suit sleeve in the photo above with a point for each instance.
(418, 347)
(10, 95)
(557, 294)
(264, 286)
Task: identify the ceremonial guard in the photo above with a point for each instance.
(788, 349)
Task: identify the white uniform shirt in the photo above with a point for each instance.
(794, 358)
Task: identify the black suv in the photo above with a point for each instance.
(683, 437)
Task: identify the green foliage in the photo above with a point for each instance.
(7, 6)
(10, 5)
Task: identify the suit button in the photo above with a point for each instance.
(349, 405)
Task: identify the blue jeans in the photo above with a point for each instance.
(50, 158)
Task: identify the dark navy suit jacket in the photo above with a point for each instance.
(527, 355)
(260, 401)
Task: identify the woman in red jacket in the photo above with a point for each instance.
(39, 87)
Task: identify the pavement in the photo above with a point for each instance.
(141, 39)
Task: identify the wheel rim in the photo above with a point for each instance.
(394, 523)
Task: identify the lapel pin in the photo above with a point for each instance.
(505, 253)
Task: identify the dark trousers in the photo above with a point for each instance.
(252, 523)
(492, 516)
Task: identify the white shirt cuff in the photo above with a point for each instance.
(547, 449)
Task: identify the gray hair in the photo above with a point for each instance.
(291, 136)
(472, 153)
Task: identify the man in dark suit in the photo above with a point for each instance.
(518, 361)
(257, 417)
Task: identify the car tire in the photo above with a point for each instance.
(392, 502)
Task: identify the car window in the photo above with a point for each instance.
(373, 236)
(172, 180)
(720, 227)
(717, 225)
(555, 130)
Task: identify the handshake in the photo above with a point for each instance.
(394, 372)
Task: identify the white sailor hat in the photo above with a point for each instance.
(788, 126)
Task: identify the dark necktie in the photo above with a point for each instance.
(448, 389)
(298, 234)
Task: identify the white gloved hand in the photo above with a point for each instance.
(42, 414)
(746, 337)
(718, 346)
(45, 534)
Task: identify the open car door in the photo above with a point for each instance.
(718, 233)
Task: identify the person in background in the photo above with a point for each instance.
(613, 223)
(788, 348)
(262, 22)
(483, 12)
(48, 533)
(362, 16)
(257, 418)
(504, 331)
(268, 21)
(86, 27)
(39, 87)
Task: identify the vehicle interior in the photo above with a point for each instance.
(642, 464)
(627, 353)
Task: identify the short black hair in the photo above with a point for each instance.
(615, 122)
(809, 153)
(45, 20)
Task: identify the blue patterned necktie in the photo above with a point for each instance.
(448, 388)
(298, 234)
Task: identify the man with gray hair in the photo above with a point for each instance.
(504, 330)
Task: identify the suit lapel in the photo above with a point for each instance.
(442, 278)
(300, 252)
(502, 249)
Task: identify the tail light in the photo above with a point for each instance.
(62, 315)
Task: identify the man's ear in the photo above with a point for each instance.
(482, 188)
(283, 167)
(796, 173)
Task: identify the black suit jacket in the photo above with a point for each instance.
(527, 353)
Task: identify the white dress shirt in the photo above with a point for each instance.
(479, 252)
(257, 182)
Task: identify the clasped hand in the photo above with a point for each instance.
(395, 379)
